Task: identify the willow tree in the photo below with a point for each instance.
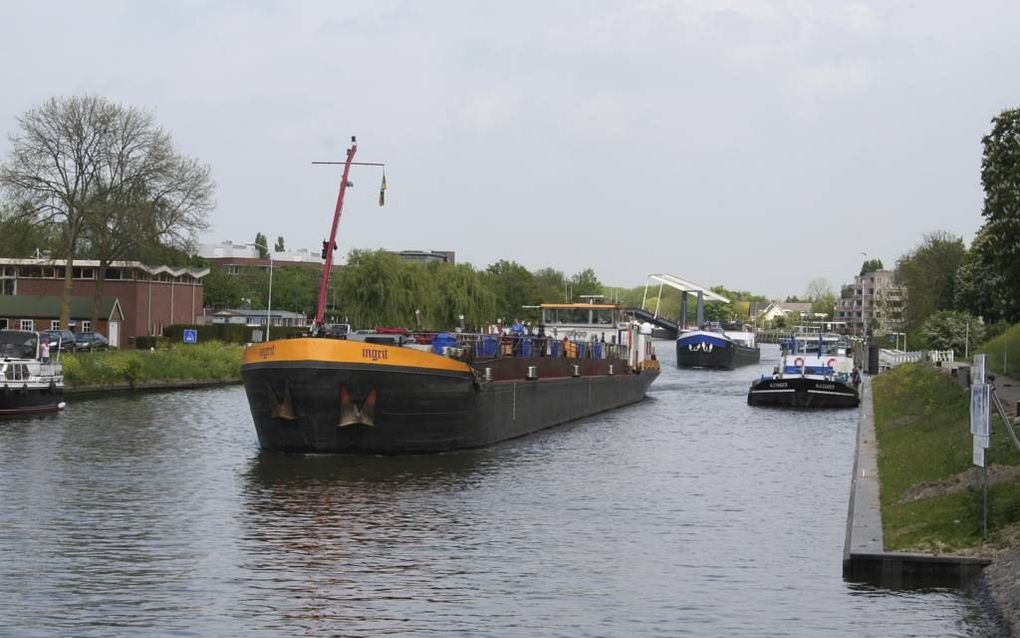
(88, 166)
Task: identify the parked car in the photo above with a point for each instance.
(91, 341)
(62, 339)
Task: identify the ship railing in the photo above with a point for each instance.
(503, 346)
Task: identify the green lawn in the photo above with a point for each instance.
(922, 423)
(996, 349)
(207, 361)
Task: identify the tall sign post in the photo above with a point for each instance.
(980, 427)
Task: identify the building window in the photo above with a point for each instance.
(55, 324)
(28, 325)
(8, 286)
(86, 326)
(233, 270)
(30, 272)
(3, 324)
(84, 273)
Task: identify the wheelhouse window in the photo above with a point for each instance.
(27, 325)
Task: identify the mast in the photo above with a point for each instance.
(329, 245)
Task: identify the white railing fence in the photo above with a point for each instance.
(892, 358)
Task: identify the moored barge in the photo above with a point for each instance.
(336, 393)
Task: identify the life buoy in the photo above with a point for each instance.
(798, 362)
(831, 363)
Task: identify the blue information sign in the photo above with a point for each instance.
(190, 335)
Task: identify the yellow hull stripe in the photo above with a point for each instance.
(342, 351)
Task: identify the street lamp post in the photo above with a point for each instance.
(269, 301)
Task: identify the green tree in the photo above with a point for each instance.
(551, 285)
(278, 248)
(22, 237)
(871, 265)
(262, 245)
(294, 288)
(585, 283)
(928, 273)
(514, 287)
(951, 330)
(1000, 176)
(980, 288)
(221, 290)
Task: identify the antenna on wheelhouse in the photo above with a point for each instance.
(329, 246)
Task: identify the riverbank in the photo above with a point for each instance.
(178, 365)
(930, 490)
(931, 494)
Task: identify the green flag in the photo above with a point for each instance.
(382, 190)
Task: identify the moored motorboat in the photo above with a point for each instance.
(375, 393)
(714, 347)
(29, 383)
(816, 373)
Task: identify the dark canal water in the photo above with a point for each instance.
(689, 514)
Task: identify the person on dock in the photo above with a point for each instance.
(44, 351)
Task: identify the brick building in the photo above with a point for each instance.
(147, 298)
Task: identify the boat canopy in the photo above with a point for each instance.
(18, 344)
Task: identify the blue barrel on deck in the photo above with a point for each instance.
(597, 351)
(488, 347)
(527, 346)
(443, 340)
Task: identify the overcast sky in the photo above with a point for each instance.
(755, 144)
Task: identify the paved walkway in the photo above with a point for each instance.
(1008, 391)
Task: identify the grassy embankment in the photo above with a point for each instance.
(930, 491)
(213, 361)
(996, 351)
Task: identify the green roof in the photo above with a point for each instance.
(30, 306)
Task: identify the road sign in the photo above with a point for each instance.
(980, 396)
(979, 452)
(190, 335)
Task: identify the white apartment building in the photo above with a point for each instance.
(872, 301)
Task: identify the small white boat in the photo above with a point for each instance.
(28, 385)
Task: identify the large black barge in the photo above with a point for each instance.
(316, 394)
(333, 392)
